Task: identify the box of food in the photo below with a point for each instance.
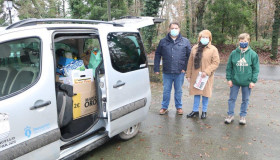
(84, 99)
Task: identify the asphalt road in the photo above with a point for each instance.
(175, 137)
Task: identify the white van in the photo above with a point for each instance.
(68, 85)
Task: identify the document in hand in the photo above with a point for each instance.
(200, 82)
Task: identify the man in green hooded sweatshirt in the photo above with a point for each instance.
(241, 72)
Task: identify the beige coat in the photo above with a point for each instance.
(209, 63)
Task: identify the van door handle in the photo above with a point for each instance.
(119, 84)
(40, 104)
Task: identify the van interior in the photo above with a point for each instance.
(78, 54)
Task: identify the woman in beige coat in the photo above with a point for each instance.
(204, 58)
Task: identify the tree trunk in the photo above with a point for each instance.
(223, 23)
(275, 32)
(64, 14)
(199, 14)
(187, 19)
(109, 9)
(256, 19)
(161, 14)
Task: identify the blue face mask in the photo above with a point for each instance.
(174, 32)
(244, 44)
(204, 41)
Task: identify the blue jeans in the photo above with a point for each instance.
(168, 80)
(197, 101)
(246, 92)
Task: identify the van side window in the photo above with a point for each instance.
(126, 51)
(19, 64)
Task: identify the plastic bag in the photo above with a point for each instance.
(95, 59)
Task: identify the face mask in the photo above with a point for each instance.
(243, 44)
(174, 32)
(204, 41)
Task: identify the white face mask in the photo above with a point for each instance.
(204, 41)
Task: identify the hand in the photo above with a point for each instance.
(183, 71)
(251, 85)
(203, 74)
(189, 79)
(156, 72)
(230, 83)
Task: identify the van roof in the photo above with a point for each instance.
(33, 21)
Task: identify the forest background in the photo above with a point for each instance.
(226, 19)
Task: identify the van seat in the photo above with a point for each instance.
(7, 75)
(7, 72)
(24, 77)
(64, 94)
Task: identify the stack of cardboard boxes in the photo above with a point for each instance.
(84, 99)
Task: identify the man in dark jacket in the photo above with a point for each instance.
(174, 51)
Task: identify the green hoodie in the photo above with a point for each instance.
(242, 68)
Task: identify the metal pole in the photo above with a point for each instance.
(109, 9)
(10, 16)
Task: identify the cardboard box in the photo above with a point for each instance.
(85, 100)
(77, 76)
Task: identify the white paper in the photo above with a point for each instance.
(4, 126)
(200, 82)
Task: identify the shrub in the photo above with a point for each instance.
(263, 45)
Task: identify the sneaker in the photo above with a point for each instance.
(229, 119)
(163, 111)
(179, 111)
(242, 121)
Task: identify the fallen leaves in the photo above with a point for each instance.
(223, 148)
(119, 148)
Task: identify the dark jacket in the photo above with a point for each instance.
(175, 54)
(243, 68)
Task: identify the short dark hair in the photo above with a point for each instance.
(176, 23)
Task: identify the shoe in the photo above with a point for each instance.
(193, 114)
(163, 111)
(242, 121)
(229, 119)
(203, 115)
(179, 111)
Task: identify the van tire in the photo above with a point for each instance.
(130, 132)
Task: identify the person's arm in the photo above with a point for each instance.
(229, 70)
(214, 63)
(255, 70)
(187, 54)
(157, 58)
(190, 65)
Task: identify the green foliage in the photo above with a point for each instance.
(97, 9)
(228, 18)
(129, 3)
(275, 33)
(2, 16)
(150, 9)
(38, 8)
(78, 8)
(262, 45)
(199, 14)
(188, 29)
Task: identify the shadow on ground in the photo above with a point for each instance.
(176, 137)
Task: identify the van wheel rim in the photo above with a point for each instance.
(131, 130)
